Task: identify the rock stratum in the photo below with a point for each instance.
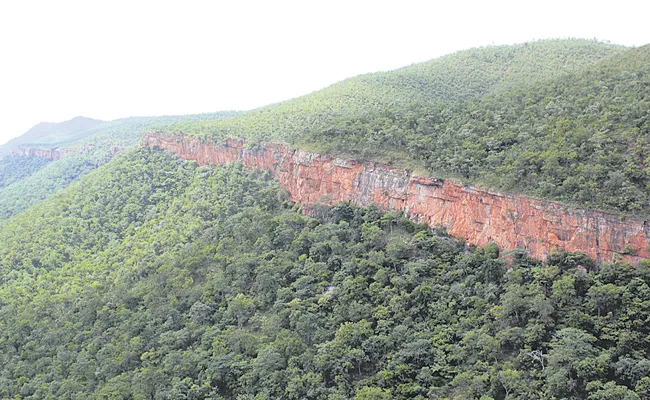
(50, 154)
(54, 154)
(477, 215)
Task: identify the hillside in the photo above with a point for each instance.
(47, 133)
(15, 168)
(559, 120)
(170, 281)
(27, 180)
(480, 216)
(462, 75)
(254, 272)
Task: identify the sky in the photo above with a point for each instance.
(113, 59)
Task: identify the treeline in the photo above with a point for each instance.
(152, 278)
(560, 120)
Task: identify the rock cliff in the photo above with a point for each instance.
(51, 154)
(54, 154)
(477, 215)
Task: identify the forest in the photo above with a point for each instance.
(127, 273)
(563, 120)
(25, 181)
(15, 168)
(152, 278)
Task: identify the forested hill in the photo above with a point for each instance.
(47, 132)
(143, 276)
(152, 278)
(27, 180)
(462, 75)
(565, 120)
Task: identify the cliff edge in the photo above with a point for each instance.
(479, 216)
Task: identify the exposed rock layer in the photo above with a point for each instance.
(51, 154)
(54, 154)
(477, 215)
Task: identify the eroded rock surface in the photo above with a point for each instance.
(51, 154)
(477, 215)
(54, 154)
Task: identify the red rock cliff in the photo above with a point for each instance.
(52, 154)
(57, 153)
(477, 215)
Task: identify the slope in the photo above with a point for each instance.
(15, 168)
(152, 278)
(47, 133)
(572, 131)
(25, 181)
(466, 74)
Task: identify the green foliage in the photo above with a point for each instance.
(565, 120)
(463, 75)
(15, 168)
(27, 180)
(153, 278)
(48, 179)
(52, 133)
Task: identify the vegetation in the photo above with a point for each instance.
(464, 75)
(53, 176)
(23, 182)
(152, 278)
(47, 132)
(15, 168)
(565, 120)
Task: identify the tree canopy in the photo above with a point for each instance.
(564, 120)
(25, 181)
(153, 278)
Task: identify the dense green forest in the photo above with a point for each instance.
(463, 75)
(565, 120)
(15, 168)
(26, 180)
(142, 276)
(152, 278)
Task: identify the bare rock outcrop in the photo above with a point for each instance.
(478, 215)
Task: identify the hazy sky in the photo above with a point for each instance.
(112, 59)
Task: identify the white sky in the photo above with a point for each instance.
(111, 59)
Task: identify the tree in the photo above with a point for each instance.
(572, 361)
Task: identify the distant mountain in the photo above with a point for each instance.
(48, 133)
(26, 180)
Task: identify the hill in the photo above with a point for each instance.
(152, 278)
(128, 273)
(27, 180)
(559, 120)
(15, 168)
(47, 133)
(462, 75)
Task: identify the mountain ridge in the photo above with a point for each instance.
(75, 127)
(154, 277)
(555, 135)
(71, 158)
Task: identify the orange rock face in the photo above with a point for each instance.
(52, 154)
(479, 216)
(57, 153)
